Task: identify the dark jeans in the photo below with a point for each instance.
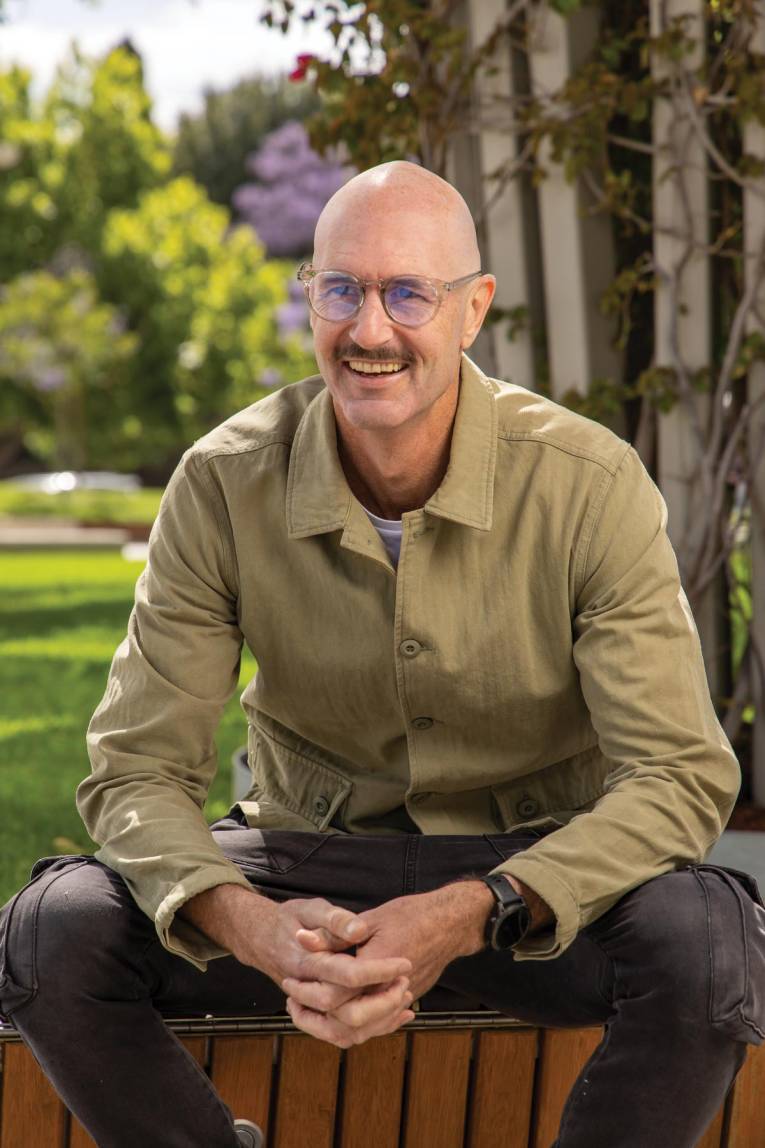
(84, 979)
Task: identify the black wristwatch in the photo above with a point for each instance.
(510, 918)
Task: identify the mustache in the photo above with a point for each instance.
(376, 355)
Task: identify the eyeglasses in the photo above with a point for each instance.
(409, 300)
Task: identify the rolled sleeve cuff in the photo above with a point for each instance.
(555, 893)
(179, 936)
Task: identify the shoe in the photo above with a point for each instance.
(249, 1134)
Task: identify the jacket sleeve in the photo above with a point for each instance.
(675, 777)
(151, 740)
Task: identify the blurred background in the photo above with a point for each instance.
(162, 166)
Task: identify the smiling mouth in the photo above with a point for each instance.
(368, 368)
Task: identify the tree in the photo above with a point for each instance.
(90, 147)
(291, 185)
(213, 146)
(62, 353)
(110, 149)
(31, 173)
(194, 312)
(204, 304)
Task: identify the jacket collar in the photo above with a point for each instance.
(319, 498)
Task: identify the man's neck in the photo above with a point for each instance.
(393, 471)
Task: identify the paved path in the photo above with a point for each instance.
(44, 534)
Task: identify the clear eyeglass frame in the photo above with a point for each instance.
(306, 274)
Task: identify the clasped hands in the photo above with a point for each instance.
(400, 950)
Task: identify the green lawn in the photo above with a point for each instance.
(62, 614)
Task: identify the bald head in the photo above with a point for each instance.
(402, 210)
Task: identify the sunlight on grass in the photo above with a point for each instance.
(62, 615)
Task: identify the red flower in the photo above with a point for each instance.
(304, 61)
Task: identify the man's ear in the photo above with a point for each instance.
(475, 312)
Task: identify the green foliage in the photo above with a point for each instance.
(400, 84)
(203, 302)
(90, 147)
(110, 150)
(133, 318)
(60, 346)
(30, 174)
(603, 401)
(213, 146)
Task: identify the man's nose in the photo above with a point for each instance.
(372, 326)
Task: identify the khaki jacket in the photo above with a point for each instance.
(533, 661)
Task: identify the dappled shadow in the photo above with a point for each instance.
(50, 620)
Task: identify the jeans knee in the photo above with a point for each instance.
(64, 925)
(690, 946)
(657, 938)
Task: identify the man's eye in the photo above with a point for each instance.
(406, 293)
(338, 289)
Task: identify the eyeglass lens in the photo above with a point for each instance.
(407, 299)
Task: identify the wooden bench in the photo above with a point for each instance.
(451, 1080)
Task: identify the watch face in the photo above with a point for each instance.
(511, 926)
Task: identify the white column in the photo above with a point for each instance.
(754, 239)
(509, 245)
(577, 249)
(683, 318)
(682, 300)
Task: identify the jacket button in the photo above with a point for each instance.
(321, 805)
(527, 807)
(422, 722)
(410, 648)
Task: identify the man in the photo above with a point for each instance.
(503, 679)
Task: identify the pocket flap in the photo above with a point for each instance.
(295, 781)
(555, 793)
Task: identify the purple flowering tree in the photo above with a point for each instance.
(291, 183)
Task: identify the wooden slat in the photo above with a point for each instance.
(746, 1122)
(305, 1110)
(241, 1072)
(196, 1046)
(713, 1134)
(503, 1089)
(563, 1054)
(439, 1066)
(372, 1096)
(79, 1138)
(33, 1114)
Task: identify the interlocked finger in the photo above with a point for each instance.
(352, 972)
(329, 1028)
(374, 1006)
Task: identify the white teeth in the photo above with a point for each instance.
(367, 368)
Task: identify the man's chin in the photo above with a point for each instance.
(371, 413)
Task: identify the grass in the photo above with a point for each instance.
(62, 614)
(138, 506)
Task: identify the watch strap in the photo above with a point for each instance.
(510, 918)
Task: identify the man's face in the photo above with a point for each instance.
(376, 245)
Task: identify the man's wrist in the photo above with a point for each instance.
(224, 912)
(541, 914)
(477, 903)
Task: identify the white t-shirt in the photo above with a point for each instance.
(390, 530)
